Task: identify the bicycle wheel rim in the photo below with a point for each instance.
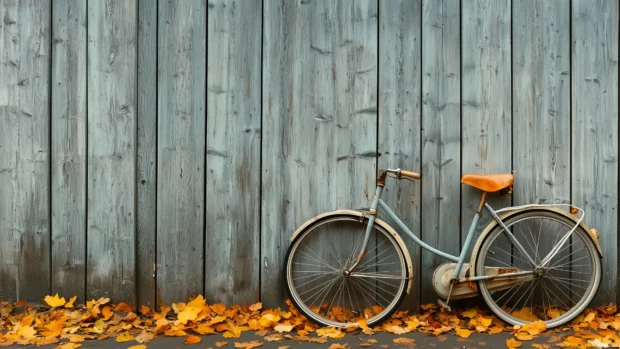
(565, 316)
(309, 309)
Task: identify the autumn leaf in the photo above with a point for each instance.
(124, 307)
(470, 313)
(512, 343)
(283, 328)
(139, 346)
(220, 344)
(248, 345)
(69, 346)
(535, 328)
(409, 342)
(125, 337)
(524, 336)
(192, 340)
(339, 346)
(462, 332)
(256, 307)
(55, 301)
(330, 332)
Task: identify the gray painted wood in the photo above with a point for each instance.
(233, 152)
(146, 176)
(400, 117)
(595, 127)
(541, 119)
(319, 120)
(181, 149)
(486, 106)
(24, 149)
(441, 135)
(112, 103)
(69, 148)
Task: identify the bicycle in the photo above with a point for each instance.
(521, 276)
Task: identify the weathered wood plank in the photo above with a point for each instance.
(69, 148)
(486, 103)
(233, 152)
(441, 135)
(541, 113)
(112, 103)
(400, 117)
(595, 127)
(24, 149)
(181, 149)
(319, 119)
(146, 180)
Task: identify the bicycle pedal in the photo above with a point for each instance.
(444, 306)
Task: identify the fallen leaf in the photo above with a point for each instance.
(462, 332)
(55, 301)
(248, 345)
(256, 307)
(220, 344)
(125, 337)
(470, 313)
(283, 328)
(139, 346)
(192, 340)
(512, 343)
(409, 342)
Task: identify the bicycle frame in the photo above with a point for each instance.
(377, 202)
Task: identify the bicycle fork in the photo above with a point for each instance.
(372, 215)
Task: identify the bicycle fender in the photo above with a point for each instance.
(361, 215)
(592, 233)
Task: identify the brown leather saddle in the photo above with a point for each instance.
(489, 182)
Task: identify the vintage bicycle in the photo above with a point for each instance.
(531, 262)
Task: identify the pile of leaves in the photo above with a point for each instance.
(63, 323)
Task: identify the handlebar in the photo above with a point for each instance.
(402, 173)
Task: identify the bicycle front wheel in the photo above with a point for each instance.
(554, 293)
(318, 281)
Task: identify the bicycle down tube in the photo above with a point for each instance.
(377, 202)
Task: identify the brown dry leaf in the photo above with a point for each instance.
(220, 344)
(124, 307)
(283, 328)
(69, 346)
(192, 340)
(368, 331)
(442, 338)
(524, 336)
(409, 342)
(47, 340)
(338, 346)
(512, 343)
(284, 347)
(330, 332)
(273, 337)
(248, 345)
(144, 337)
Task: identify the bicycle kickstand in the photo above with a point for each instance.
(445, 305)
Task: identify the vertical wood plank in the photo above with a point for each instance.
(441, 132)
(24, 149)
(233, 151)
(147, 152)
(69, 148)
(319, 119)
(399, 117)
(541, 119)
(595, 127)
(486, 101)
(181, 149)
(112, 103)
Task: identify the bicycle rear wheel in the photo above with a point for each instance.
(555, 293)
(321, 289)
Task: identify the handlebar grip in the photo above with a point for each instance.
(410, 174)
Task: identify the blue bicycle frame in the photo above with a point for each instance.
(377, 202)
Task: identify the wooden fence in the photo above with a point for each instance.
(153, 150)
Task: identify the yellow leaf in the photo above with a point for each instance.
(535, 328)
(283, 328)
(462, 332)
(55, 301)
(124, 307)
(589, 317)
(257, 306)
(330, 332)
(524, 336)
(139, 346)
(413, 324)
(69, 304)
(218, 308)
(125, 337)
(192, 340)
(273, 337)
(512, 343)
(338, 346)
(470, 313)
(26, 332)
(69, 346)
(188, 313)
(426, 307)
(204, 329)
(144, 337)
(220, 344)
(268, 320)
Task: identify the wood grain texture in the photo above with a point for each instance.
(181, 149)
(595, 127)
(24, 149)
(112, 103)
(486, 102)
(69, 148)
(319, 119)
(441, 135)
(146, 177)
(233, 152)
(400, 117)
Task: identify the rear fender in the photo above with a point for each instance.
(592, 233)
(361, 216)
